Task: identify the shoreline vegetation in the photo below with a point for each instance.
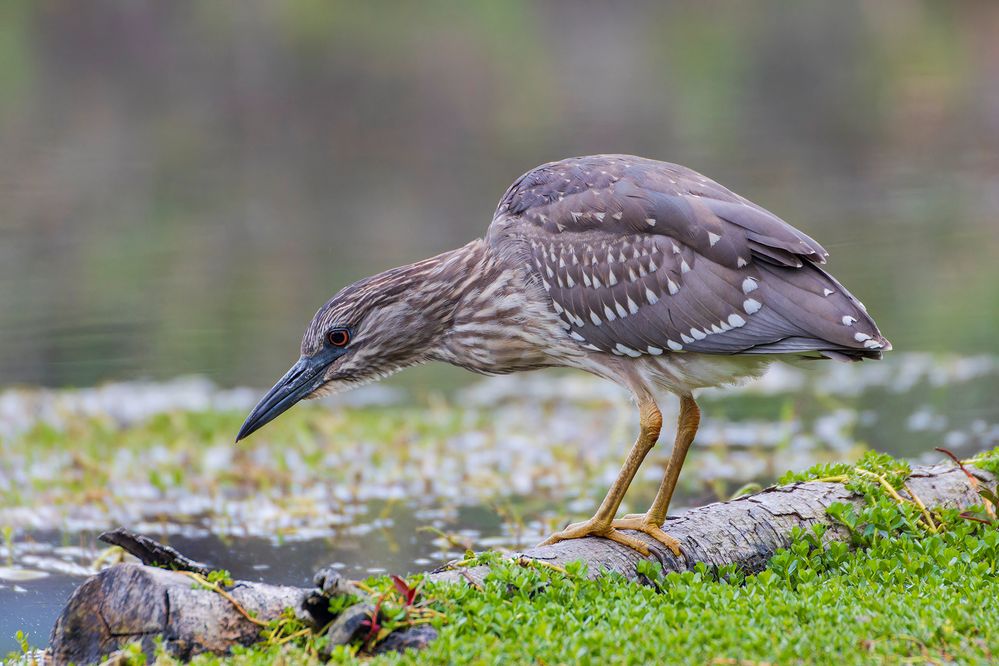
(901, 580)
(496, 467)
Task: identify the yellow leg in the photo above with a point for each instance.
(652, 520)
(601, 523)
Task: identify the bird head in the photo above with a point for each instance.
(369, 330)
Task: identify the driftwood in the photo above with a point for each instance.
(131, 602)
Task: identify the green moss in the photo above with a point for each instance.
(895, 472)
(989, 461)
(902, 589)
(928, 599)
(900, 592)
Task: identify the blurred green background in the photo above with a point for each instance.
(183, 183)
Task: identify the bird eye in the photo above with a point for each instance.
(338, 337)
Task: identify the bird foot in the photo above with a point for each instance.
(594, 527)
(642, 523)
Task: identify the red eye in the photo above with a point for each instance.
(338, 337)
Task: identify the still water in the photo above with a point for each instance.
(377, 481)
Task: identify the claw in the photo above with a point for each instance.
(596, 528)
(641, 523)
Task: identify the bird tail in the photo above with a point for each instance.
(831, 321)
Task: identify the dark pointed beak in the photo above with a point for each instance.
(303, 378)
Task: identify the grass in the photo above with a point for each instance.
(898, 593)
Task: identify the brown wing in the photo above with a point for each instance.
(642, 257)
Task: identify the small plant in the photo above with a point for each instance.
(220, 577)
(22, 642)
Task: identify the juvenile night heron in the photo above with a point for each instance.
(646, 273)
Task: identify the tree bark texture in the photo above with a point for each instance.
(131, 602)
(747, 531)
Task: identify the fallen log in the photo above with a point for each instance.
(747, 531)
(131, 602)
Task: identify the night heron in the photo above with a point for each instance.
(645, 273)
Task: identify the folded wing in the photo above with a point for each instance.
(643, 257)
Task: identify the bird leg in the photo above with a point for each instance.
(601, 524)
(652, 520)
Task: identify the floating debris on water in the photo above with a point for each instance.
(18, 574)
(502, 463)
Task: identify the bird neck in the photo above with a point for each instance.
(454, 281)
(493, 320)
(468, 307)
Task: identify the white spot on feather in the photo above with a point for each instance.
(599, 216)
(651, 297)
(848, 320)
(740, 262)
(684, 266)
(873, 344)
(751, 305)
(655, 351)
(748, 285)
(735, 321)
(576, 336)
(698, 334)
(686, 338)
(672, 286)
(713, 238)
(621, 312)
(609, 314)
(627, 350)
(675, 346)
(632, 306)
(828, 292)
(860, 337)
(594, 318)
(651, 221)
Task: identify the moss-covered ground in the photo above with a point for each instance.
(527, 456)
(899, 593)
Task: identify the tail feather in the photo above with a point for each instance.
(830, 319)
